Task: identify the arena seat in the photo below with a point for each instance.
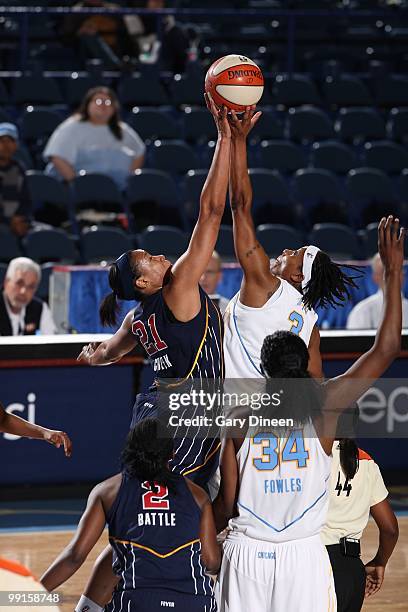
(103, 244)
(359, 125)
(385, 155)
(187, 90)
(272, 200)
(307, 124)
(277, 237)
(339, 241)
(199, 125)
(398, 124)
(48, 196)
(76, 88)
(225, 242)
(164, 239)
(96, 191)
(9, 247)
(282, 155)
(333, 155)
(346, 90)
(151, 123)
(392, 90)
(50, 245)
(314, 186)
(139, 90)
(38, 123)
(174, 156)
(35, 90)
(268, 127)
(4, 97)
(370, 195)
(296, 90)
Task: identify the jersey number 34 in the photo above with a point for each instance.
(293, 449)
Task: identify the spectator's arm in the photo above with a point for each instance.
(63, 168)
(137, 163)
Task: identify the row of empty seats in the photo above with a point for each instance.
(106, 244)
(145, 89)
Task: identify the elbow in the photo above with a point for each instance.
(392, 531)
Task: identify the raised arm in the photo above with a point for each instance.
(112, 350)
(182, 292)
(343, 390)
(12, 424)
(257, 281)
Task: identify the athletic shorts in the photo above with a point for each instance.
(145, 407)
(265, 577)
(158, 600)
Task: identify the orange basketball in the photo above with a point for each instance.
(234, 81)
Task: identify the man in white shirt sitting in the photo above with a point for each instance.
(367, 313)
(22, 314)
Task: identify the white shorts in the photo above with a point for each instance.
(268, 577)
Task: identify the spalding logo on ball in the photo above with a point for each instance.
(234, 81)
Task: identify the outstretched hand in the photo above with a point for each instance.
(220, 116)
(57, 439)
(391, 243)
(374, 578)
(240, 128)
(87, 352)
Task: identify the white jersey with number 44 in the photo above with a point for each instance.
(247, 327)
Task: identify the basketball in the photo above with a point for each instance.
(234, 81)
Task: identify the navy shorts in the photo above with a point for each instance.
(145, 407)
(157, 600)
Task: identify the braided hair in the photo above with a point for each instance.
(285, 356)
(346, 425)
(147, 452)
(329, 284)
(109, 307)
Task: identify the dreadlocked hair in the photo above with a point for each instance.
(284, 358)
(109, 307)
(147, 452)
(329, 284)
(346, 426)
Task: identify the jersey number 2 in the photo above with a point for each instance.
(139, 329)
(155, 500)
(297, 322)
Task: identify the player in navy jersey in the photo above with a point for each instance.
(161, 528)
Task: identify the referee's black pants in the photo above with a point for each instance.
(349, 579)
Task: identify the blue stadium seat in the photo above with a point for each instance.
(346, 90)
(164, 240)
(339, 241)
(35, 90)
(314, 186)
(294, 91)
(403, 185)
(272, 201)
(370, 194)
(199, 125)
(174, 156)
(398, 124)
(50, 245)
(4, 97)
(139, 90)
(38, 123)
(277, 237)
(282, 155)
(9, 247)
(360, 124)
(50, 198)
(44, 286)
(187, 90)
(308, 124)
(5, 117)
(268, 127)
(193, 184)
(3, 270)
(76, 88)
(225, 242)
(334, 156)
(371, 239)
(104, 244)
(392, 91)
(385, 155)
(151, 123)
(96, 191)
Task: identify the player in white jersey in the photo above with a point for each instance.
(274, 484)
(271, 298)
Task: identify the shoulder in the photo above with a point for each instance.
(107, 490)
(71, 124)
(363, 456)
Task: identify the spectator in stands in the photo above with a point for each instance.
(173, 46)
(95, 140)
(210, 279)
(367, 313)
(96, 36)
(15, 205)
(22, 314)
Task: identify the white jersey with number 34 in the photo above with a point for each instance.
(247, 327)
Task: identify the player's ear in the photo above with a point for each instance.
(140, 283)
(296, 278)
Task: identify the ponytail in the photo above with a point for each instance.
(108, 310)
(121, 277)
(349, 457)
